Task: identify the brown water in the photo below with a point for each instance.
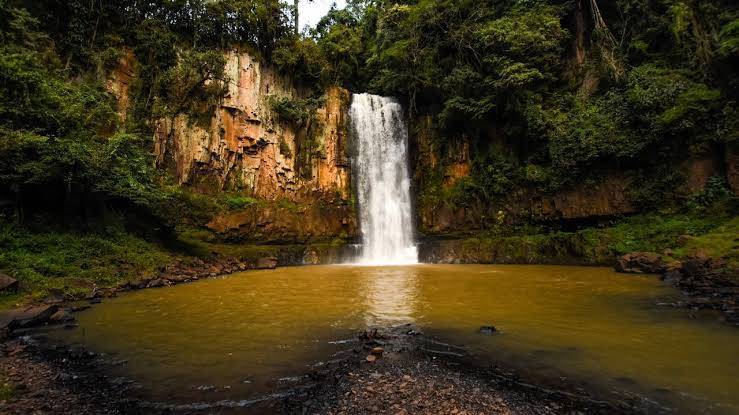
(250, 333)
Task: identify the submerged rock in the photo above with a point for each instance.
(61, 316)
(488, 330)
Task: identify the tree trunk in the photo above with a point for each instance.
(296, 17)
(579, 41)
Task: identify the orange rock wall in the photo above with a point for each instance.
(241, 147)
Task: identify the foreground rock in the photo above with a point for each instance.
(27, 317)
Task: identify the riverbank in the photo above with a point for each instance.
(394, 370)
(50, 267)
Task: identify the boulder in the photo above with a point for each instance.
(267, 263)
(641, 263)
(8, 283)
(29, 317)
(61, 316)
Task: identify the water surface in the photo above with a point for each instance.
(246, 334)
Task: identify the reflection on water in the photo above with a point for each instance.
(243, 335)
(389, 296)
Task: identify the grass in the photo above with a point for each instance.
(713, 233)
(722, 241)
(7, 390)
(74, 262)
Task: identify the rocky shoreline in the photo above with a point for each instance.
(410, 373)
(58, 307)
(394, 370)
(707, 282)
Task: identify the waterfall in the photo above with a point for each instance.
(383, 183)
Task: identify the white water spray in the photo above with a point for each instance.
(383, 183)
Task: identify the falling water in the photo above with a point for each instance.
(383, 184)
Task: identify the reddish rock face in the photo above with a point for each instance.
(609, 196)
(119, 81)
(697, 172)
(286, 225)
(243, 147)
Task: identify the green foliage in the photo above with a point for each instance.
(295, 112)
(713, 235)
(7, 390)
(718, 242)
(240, 202)
(475, 59)
(285, 149)
(729, 39)
(715, 192)
(301, 58)
(195, 84)
(655, 107)
(654, 188)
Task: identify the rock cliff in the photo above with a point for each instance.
(437, 171)
(243, 147)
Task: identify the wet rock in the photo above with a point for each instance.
(267, 263)
(488, 330)
(61, 316)
(8, 283)
(101, 293)
(78, 308)
(672, 277)
(159, 282)
(641, 263)
(29, 317)
(178, 278)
